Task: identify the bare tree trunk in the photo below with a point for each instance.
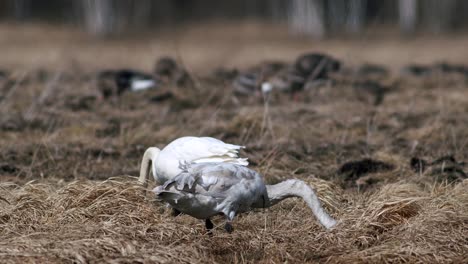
(21, 9)
(336, 15)
(277, 10)
(141, 13)
(99, 16)
(314, 18)
(438, 14)
(408, 15)
(307, 17)
(460, 19)
(356, 16)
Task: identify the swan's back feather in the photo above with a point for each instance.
(194, 150)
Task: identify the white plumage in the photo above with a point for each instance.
(140, 85)
(207, 189)
(166, 163)
(267, 88)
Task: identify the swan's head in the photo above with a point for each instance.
(330, 224)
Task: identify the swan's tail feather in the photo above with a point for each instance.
(223, 159)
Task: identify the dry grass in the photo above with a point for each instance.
(112, 221)
(64, 195)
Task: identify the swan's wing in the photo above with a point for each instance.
(204, 150)
(214, 179)
(191, 181)
(236, 187)
(193, 174)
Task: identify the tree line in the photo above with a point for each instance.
(315, 18)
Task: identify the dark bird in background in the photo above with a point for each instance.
(246, 83)
(165, 67)
(316, 66)
(133, 81)
(116, 82)
(307, 70)
(169, 71)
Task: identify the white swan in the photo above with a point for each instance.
(207, 189)
(165, 163)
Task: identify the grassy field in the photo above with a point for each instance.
(68, 160)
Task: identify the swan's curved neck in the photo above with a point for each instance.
(151, 154)
(296, 188)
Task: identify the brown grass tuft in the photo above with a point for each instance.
(112, 220)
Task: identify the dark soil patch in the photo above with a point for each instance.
(355, 169)
(7, 168)
(443, 168)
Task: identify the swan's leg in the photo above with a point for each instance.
(175, 212)
(209, 226)
(228, 226)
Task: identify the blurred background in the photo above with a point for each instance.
(210, 34)
(202, 32)
(313, 18)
